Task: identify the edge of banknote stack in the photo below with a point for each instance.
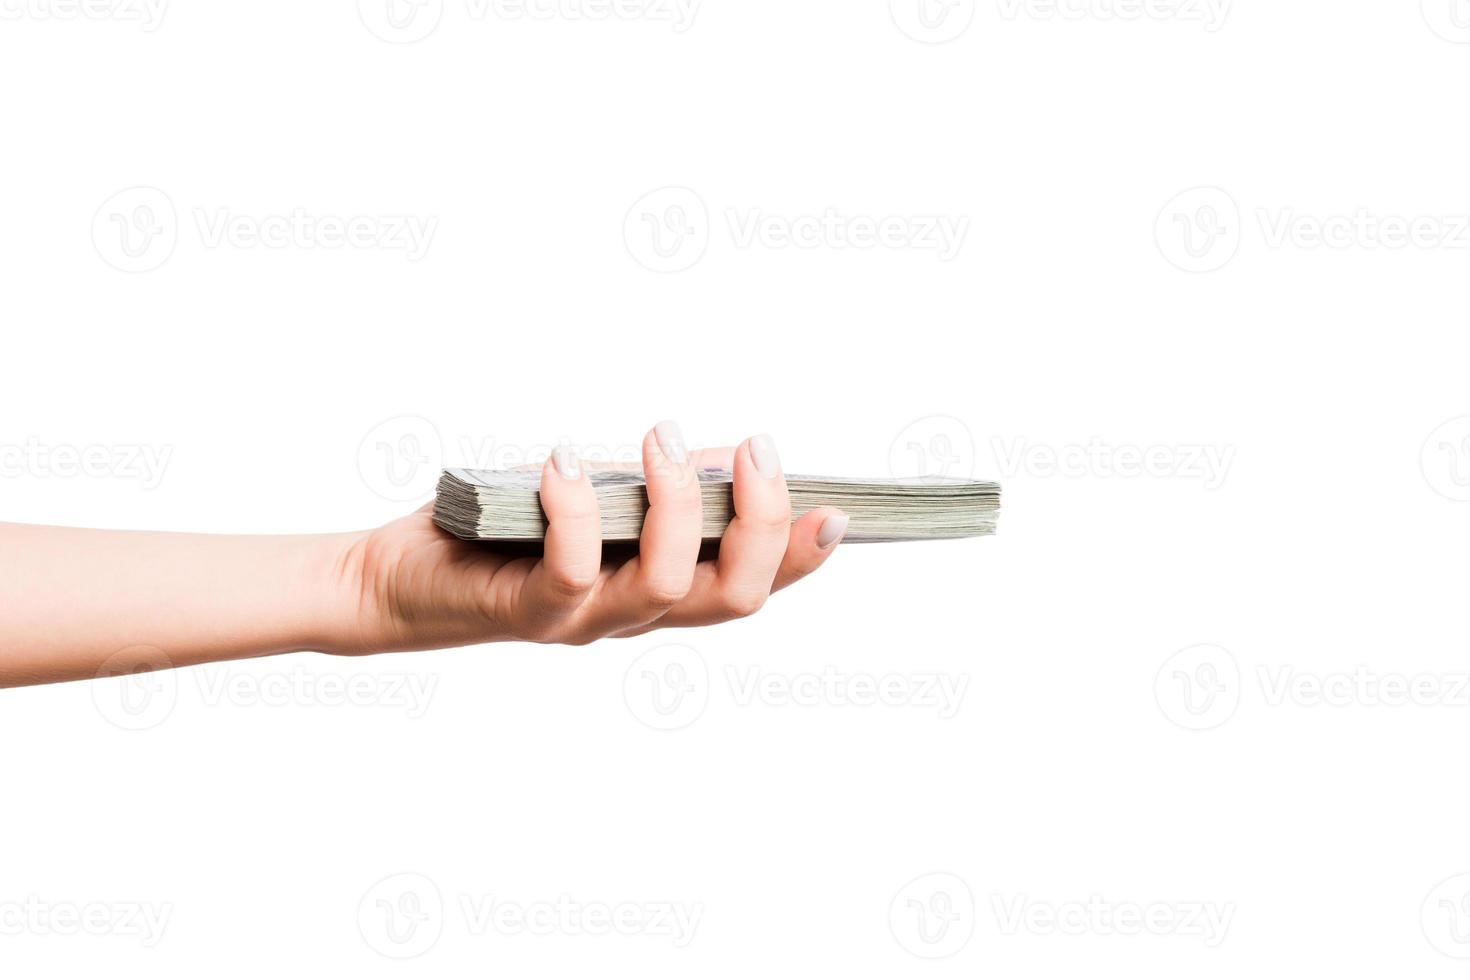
(504, 505)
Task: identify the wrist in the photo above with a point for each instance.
(330, 575)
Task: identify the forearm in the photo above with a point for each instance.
(77, 604)
(73, 601)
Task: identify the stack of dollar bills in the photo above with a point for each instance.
(504, 505)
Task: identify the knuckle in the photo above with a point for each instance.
(664, 593)
(657, 468)
(572, 583)
(803, 564)
(564, 633)
(578, 512)
(661, 468)
(744, 602)
(683, 504)
(775, 518)
(542, 633)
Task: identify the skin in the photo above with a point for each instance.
(82, 603)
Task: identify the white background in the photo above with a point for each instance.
(1100, 308)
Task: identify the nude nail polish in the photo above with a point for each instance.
(566, 462)
(763, 454)
(671, 441)
(832, 530)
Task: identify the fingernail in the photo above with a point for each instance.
(763, 454)
(832, 530)
(566, 463)
(671, 441)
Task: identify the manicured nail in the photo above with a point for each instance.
(566, 463)
(763, 454)
(671, 441)
(832, 530)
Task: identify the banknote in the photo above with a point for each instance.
(504, 505)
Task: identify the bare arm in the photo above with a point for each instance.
(76, 603)
(77, 599)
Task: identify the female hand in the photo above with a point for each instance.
(415, 586)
